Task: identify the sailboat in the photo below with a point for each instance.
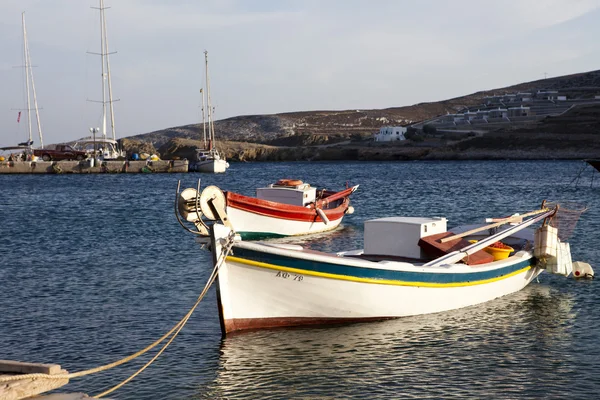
(208, 158)
(27, 147)
(106, 148)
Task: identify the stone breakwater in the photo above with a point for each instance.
(84, 167)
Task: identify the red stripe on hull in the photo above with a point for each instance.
(245, 324)
(284, 211)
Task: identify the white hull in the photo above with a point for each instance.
(248, 222)
(251, 292)
(212, 166)
(256, 294)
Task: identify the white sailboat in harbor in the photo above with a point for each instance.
(106, 148)
(208, 159)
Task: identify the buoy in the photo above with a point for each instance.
(350, 210)
(289, 182)
(582, 270)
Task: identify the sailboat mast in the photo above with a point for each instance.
(110, 98)
(35, 103)
(102, 55)
(203, 118)
(211, 129)
(27, 66)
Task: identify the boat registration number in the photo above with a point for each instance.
(287, 275)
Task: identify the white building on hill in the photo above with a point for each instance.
(390, 133)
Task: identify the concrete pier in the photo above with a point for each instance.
(84, 167)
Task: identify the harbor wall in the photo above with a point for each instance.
(84, 167)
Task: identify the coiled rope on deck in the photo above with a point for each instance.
(225, 250)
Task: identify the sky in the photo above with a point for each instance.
(268, 57)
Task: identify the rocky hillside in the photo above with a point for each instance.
(581, 119)
(278, 129)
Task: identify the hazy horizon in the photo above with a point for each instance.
(268, 57)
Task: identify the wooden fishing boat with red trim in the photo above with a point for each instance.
(289, 207)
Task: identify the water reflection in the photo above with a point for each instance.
(510, 340)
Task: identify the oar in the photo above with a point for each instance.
(503, 221)
(456, 256)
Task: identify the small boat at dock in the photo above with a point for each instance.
(288, 207)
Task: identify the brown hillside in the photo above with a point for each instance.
(282, 129)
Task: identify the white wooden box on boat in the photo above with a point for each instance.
(300, 196)
(545, 242)
(399, 236)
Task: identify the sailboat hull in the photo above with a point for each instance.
(211, 166)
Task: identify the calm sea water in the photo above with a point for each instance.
(95, 267)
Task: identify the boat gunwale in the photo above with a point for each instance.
(399, 266)
(284, 211)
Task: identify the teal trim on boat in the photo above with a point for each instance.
(259, 235)
(380, 274)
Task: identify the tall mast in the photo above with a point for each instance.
(110, 98)
(35, 103)
(102, 55)
(211, 129)
(106, 80)
(203, 118)
(28, 77)
(25, 56)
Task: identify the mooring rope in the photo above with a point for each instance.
(225, 250)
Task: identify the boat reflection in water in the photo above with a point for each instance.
(496, 349)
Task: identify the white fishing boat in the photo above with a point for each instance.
(288, 207)
(208, 159)
(103, 147)
(409, 266)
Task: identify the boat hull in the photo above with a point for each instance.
(594, 163)
(211, 166)
(253, 225)
(254, 218)
(260, 287)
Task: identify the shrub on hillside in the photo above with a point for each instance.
(429, 129)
